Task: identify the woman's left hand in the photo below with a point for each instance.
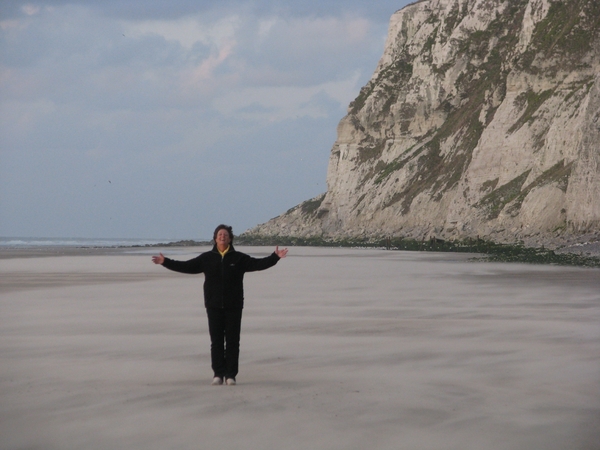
(281, 253)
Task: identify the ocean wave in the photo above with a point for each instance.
(21, 242)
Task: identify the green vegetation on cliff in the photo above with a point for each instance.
(489, 251)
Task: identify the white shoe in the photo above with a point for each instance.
(230, 381)
(217, 381)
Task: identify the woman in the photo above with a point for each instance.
(224, 270)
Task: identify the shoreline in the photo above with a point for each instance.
(51, 251)
(481, 249)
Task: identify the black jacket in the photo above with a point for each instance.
(223, 276)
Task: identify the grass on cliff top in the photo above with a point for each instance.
(491, 251)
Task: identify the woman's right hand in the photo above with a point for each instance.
(158, 259)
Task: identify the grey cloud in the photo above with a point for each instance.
(82, 103)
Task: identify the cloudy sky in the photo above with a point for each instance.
(162, 119)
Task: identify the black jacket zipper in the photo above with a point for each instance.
(223, 280)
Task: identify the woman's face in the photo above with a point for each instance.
(223, 239)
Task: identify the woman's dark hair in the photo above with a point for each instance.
(223, 227)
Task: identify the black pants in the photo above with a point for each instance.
(224, 327)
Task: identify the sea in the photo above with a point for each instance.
(35, 242)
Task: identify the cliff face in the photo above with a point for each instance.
(482, 119)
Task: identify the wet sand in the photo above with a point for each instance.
(341, 349)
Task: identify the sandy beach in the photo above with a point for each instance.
(341, 349)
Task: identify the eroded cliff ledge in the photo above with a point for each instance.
(482, 119)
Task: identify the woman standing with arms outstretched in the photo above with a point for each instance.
(224, 270)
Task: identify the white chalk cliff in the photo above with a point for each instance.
(482, 119)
